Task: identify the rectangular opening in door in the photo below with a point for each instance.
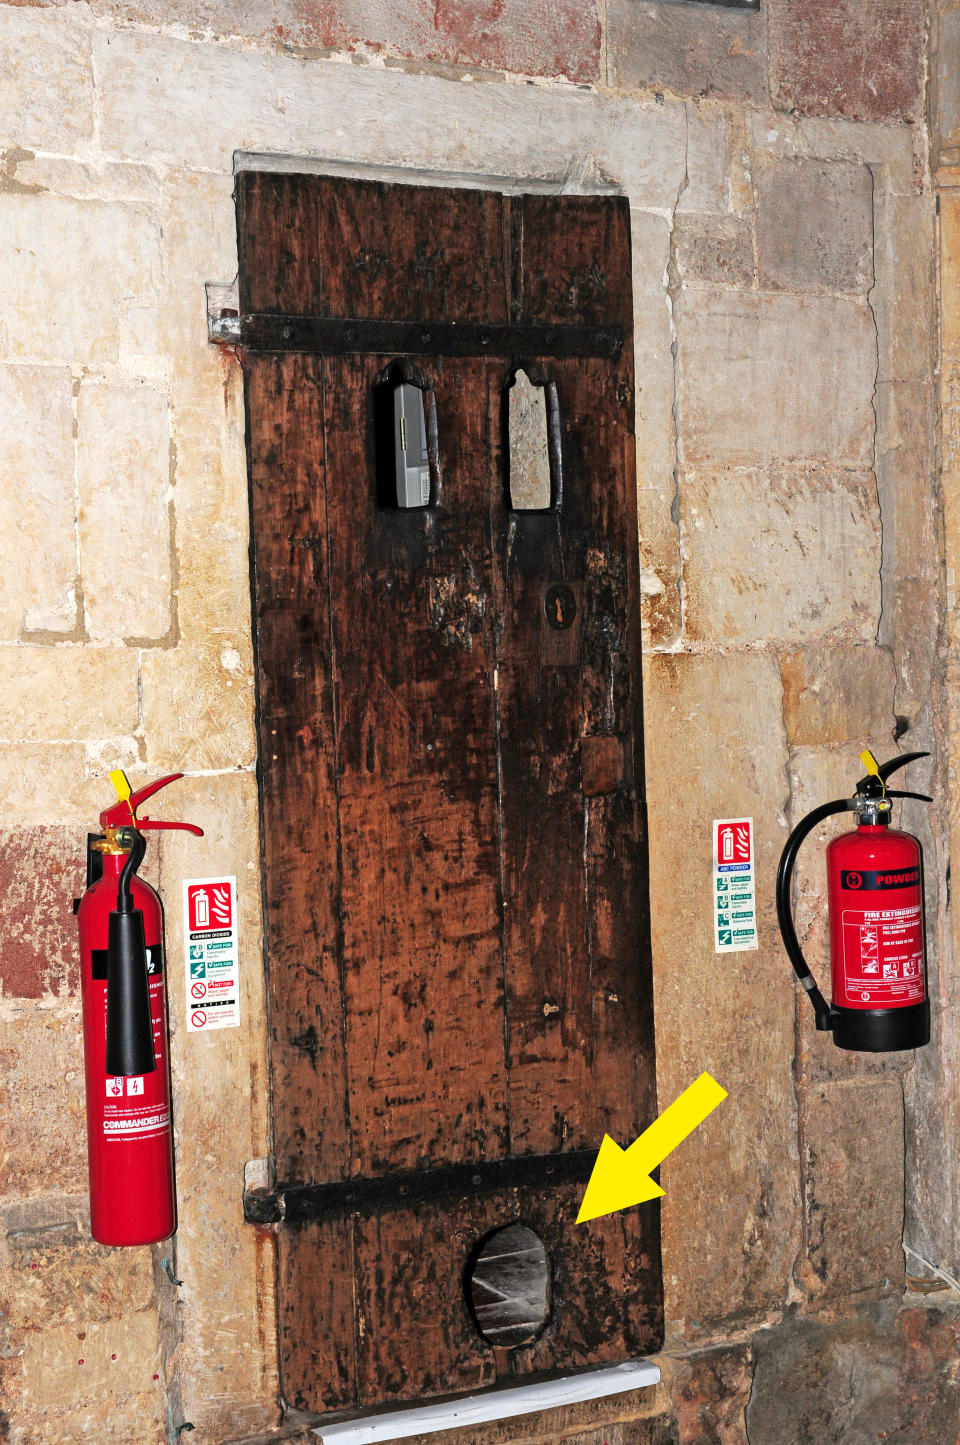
(451, 761)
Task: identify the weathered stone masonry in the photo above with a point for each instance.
(799, 605)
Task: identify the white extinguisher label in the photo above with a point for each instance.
(734, 885)
(882, 956)
(212, 945)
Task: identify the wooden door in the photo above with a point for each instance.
(451, 764)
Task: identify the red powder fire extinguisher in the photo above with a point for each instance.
(875, 905)
(129, 1130)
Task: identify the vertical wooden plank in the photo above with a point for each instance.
(601, 454)
(580, 1006)
(418, 791)
(574, 260)
(297, 772)
(417, 1338)
(545, 923)
(316, 1320)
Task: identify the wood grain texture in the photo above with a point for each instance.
(418, 794)
(297, 767)
(458, 938)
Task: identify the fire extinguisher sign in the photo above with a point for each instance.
(734, 885)
(211, 943)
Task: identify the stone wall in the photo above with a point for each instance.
(783, 219)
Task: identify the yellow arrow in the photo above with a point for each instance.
(621, 1177)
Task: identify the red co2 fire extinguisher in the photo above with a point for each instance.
(129, 1131)
(875, 903)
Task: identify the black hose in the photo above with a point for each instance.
(822, 1010)
(138, 846)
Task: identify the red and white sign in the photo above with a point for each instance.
(209, 905)
(733, 841)
(734, 885)
(211, 953)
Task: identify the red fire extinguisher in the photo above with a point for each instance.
(875, 905)
(129, 1130)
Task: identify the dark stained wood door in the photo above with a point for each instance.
(454, 842)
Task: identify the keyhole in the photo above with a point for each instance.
(559, 606)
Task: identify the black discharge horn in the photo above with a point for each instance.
(129, 1024)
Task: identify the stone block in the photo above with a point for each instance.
(137, 1418)
(707, 187)
(917, 610)
(714, 251)
(656, 432)
(199, 232)
(166, 101)
(48, 784)
(41, 869)
(863, 62)
(767, 377)
(946, 78)
(853, 1167)
(38, 582)
(46, 80)
(67, 692)
(746, 1152)
(875, 1373)
(710, 1392)
(87, 180)
(57, 1275)
(560, 39)
(52, 308)
(837, 694)
(102, 1361)
(898, 168)
(124, 511)
(904, 301)
(9, 1397)
(198, 705)
(690, 50)
(789, 557)
(950, 273)
(906, 478)
(220, 19)
(42, 1129)
(815, 226)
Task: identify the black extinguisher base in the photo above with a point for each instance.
(882, 1031)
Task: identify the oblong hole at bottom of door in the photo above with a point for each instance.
(508, 1286)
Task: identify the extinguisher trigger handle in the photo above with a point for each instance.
(146, 823)
(148, 791)
(920, 797)
(895, 764)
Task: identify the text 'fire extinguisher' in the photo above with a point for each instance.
(875, 904)
(129, 1129)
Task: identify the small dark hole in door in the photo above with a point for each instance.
(531, 423)
(508, 1286)
(405, 440)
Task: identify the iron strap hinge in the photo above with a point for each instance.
(339, 336)
(305, 1203)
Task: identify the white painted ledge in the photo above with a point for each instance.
(493, 1405)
